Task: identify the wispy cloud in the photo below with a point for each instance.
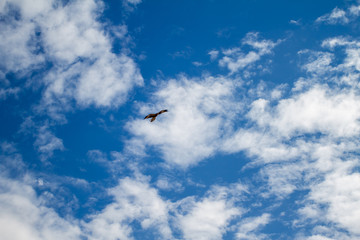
(234, 59)
(248, 227)
(213, 54)
(340, 16)
(46, 143)
(336, 16)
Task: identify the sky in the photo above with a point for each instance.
(260, 141)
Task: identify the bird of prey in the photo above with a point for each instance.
(154, 115)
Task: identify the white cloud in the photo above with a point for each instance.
(295, 22)
(22, 215)
(135, 2)
(134, 200)
(318, 237)
(234, 59)
(102, 78)
(336, 16)
(352, 51)
(320, 63)
(340, 16)
(11, 160)
(355, 10)
(207, 220)
(213, 54)
(305, 141)
(336, 41)
(28, 9)
(279, 135)
(197, 64)
(169, 184)
(18, 47)
(209, 217)
(318, 110)
(200, 111)
(68, 35)
(248, 227)
(113, 163)
(5, 93)
(46, 143)
(309, 140)
(341, 193)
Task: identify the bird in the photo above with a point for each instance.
(154, 115)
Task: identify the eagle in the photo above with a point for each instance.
(154, 115)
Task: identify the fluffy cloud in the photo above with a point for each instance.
(318, 110)
(341, 193)
(313, 152)
(210, 217)
(207, 219)
(307, 140)
(200, 111)
(23, 215)
(134, 200)
(70, 37)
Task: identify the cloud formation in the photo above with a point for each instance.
(23, 215)
(298, 142)
(340, 16)
(199, 113)
(235, 60)
(69, 38)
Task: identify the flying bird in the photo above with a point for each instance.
(154, 115)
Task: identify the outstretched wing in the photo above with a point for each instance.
(162, 111)
(150, 115)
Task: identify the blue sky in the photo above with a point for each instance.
(260, 140)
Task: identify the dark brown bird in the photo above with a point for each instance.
(154, 115)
